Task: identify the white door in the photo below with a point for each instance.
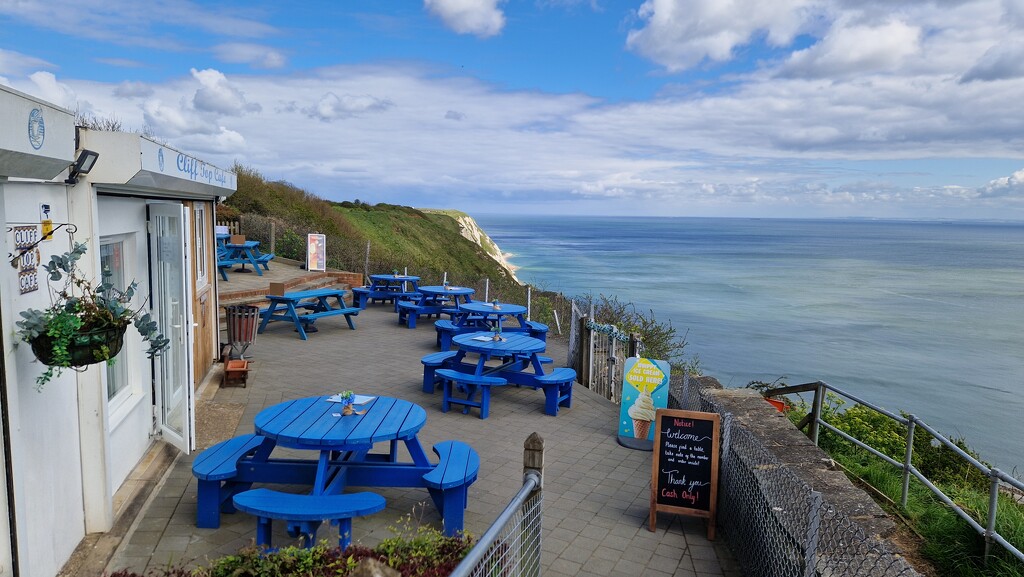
(175, 405)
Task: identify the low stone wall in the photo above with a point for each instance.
(794, 451)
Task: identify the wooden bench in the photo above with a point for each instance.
(216, 468)
(557, 389)
(224, 263)
(471, 383)
(363, 295)
(431, 363)
(304, 513)
(409, 311)
(349, 312)
(449, 482)
(445, 331)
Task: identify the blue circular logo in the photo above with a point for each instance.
(160, 159)
(36, 128)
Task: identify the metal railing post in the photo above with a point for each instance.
(819, 392)
(811, 539)
(993, 508)
(487, 289)
(909, 454)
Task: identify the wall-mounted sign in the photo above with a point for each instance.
(684, 474)
(316, 252)
(25, 240)
(644, 390)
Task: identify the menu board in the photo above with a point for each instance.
(684, 472)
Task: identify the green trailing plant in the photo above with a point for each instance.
(82, 315)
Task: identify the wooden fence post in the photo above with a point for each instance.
(584, 355)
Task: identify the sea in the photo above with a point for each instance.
(925, 317)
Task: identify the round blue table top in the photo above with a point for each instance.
(511, 344)
(480, 307)
(438, 290)
(316, 423)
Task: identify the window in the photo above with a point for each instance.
(201, 258)
(112, 261)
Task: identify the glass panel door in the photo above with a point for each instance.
(168, 230)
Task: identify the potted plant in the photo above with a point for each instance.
(85, 323)
(346, 398)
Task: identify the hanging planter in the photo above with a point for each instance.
(83, 348)
(85, 323)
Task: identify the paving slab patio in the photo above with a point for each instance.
(595, 491)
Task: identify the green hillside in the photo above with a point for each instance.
(427, 243)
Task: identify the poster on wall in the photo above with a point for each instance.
(644, 390)
(316, 252)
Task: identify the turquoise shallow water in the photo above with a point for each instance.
(925, 317)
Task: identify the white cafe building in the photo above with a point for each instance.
(146, 212)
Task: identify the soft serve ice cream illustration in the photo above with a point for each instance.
(642, 413)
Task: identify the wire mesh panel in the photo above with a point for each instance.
(777, 525)
(514, 550)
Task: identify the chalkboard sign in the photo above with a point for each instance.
(684, 474)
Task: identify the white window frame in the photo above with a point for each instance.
(119, 405)
(201, 245)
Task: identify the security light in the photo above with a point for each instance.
(86, 160)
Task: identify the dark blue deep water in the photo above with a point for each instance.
(924, 317)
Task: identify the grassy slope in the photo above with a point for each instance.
(428, 243)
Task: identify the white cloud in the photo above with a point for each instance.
(17, 63)
(218, 95)
(680, 34)
(332, 107)
(48, 88)
(1002, 61)
(856, 49)
(128, 89)
(1007, 186)
(255, 55)
(132, 23)
(481, 18)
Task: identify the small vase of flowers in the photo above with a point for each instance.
(346, 398)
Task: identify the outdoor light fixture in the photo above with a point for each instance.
(86, 160)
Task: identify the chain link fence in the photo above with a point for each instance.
(774, 522)
(511, 547)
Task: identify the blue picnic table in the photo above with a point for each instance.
(519, 363)
(316, 303)
(387, 288)
(246, 252)
(433, 300)
(344, 444)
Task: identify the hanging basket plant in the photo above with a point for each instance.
(85, 323)
(83, 348)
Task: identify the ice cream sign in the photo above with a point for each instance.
(644, 390)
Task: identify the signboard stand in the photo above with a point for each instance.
(684, 473)
(316, 252)
(644, 390)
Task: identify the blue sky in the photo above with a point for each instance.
(789, 108)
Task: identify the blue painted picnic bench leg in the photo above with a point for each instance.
(266, 317)
(299, 325)
(452, 505)
(252, 260)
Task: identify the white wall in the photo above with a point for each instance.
(6, 557)
(44, 425)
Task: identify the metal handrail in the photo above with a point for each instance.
(820, 388)
(531, 481)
